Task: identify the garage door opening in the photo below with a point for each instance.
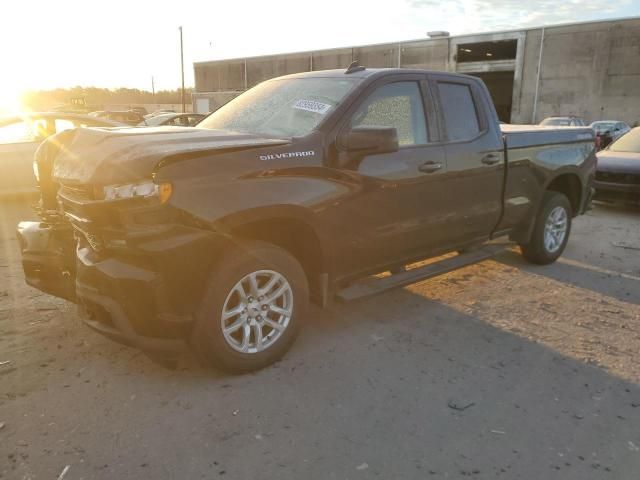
(500, 85)
(487, 51)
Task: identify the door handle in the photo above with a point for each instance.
(491, 159)
(430, 167)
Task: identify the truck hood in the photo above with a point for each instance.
(618, 162)
(110, 156)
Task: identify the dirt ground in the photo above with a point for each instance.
(499, 370)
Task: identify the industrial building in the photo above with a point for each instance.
(591, 70)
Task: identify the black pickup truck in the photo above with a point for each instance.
(216, 237)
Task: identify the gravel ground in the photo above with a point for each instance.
(501, 369)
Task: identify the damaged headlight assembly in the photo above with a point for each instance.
(145, 189)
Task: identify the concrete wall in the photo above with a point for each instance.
(590, 69)
(220, 81)
(332, 59)
(260, 69)
(205, 102)
(427, 54)
(220, 76)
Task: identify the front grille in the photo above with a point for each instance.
(76, 202)
(94, 241)
(620, 178)
(77, 192)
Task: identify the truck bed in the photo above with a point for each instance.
(523, 136)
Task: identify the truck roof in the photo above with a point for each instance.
(366, 73)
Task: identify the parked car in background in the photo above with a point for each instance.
(609, 131)
(159, 112)
(569, 121)
(20, 136)
(128, 117)
(174, 119)
(618, 170)
(72, 108)
(141, 110)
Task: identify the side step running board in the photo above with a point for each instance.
(373, 286)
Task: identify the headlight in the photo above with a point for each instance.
(145, 189)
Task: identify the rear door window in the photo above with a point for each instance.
(459, 111)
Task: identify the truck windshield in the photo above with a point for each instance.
(629, 143)
(281, 108)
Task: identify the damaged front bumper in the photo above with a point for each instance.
(143, 293)
(48, 257)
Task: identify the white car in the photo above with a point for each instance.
(20, 136)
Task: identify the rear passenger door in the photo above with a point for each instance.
(474, 158)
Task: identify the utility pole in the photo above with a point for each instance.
(182, 68)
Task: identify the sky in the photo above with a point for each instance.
(63, 43)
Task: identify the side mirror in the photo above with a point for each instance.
(371, 140)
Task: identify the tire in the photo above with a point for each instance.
(239, 350)
(555, 210)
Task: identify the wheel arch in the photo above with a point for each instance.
(569, 184)
(289, 229)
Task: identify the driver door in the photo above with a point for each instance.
(397, 213)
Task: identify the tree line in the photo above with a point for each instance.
(98, 97)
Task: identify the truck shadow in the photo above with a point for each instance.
(624, 287)
(401, 369)
(405, 383)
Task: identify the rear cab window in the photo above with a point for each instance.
(459, 111)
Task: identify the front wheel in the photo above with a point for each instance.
(252, 310)
(551, 231)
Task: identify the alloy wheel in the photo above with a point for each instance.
(257, 311)
(555, 229)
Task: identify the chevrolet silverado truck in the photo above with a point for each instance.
(308, 187)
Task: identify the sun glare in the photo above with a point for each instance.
(10, 101)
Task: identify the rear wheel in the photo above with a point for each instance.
(252, 309)
(551, 230)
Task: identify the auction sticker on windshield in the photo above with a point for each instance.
(312, 106)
